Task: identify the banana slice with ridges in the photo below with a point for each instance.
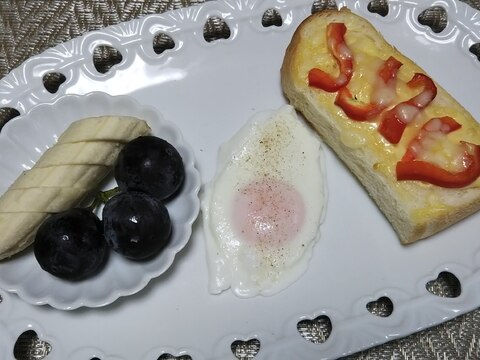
(78, 175)
(63, 176)
(100, 128)
(85, 152)
(46, 199)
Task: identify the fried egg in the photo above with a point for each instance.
(263, 208)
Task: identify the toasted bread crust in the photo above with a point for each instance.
(415, 209)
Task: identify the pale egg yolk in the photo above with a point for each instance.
(268, 212)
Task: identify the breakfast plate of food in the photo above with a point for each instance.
(334, 165)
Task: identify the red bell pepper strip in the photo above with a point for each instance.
(409, 168)
(395, 121)
(339, 49)
(447, 125)
(359, 111)
(355, 109)
(389, 69)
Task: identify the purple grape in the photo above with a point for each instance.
(152, 165)
(136, 225)
(70, 245)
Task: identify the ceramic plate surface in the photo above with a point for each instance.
(209, 89)
(25, 138)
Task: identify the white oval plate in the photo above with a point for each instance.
(210, 89)
(25, 138)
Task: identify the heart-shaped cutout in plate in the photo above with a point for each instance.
(317, 330)
(29, 346)
(434, 17)
(215, 28)
(52, 81)
(167, 356)
(445, 285)
(379, 7)
(7, 114)
(382, 307)
(247, 349)
(105, 57)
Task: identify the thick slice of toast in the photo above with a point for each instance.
(67, 172)
(416, 209)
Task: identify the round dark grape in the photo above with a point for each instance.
(70, 245)
(136, 225)
(152, 165)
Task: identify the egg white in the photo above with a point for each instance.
(273, 148)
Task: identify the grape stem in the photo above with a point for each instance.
(102, 197)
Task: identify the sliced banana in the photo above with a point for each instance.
(77, 176)
(64, 175)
